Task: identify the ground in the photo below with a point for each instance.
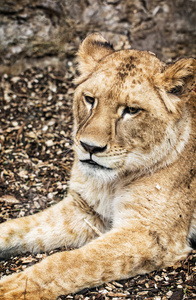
(35, 162)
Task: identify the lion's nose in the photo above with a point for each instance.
(92, 149)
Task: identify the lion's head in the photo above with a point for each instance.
(129, 109)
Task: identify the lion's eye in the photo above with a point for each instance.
(176, 90)
(131, 110)
(90, 100)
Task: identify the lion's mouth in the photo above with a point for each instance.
(93, 163)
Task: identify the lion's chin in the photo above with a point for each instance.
(93, 169)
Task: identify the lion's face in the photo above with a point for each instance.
(123, 123)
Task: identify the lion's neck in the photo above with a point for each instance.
(98, 194)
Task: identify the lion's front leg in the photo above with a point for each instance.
(118, 254)
(61, 225)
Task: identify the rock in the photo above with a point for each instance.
(9, 199)
(41, 32)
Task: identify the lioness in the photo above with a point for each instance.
(131, 206)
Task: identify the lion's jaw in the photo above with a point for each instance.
(136, 162)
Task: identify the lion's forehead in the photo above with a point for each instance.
(130, 63)
(120, 86)
(123, 78)
(125, 70)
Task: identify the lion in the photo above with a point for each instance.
(131, 204)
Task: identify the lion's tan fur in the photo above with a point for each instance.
(131, 206)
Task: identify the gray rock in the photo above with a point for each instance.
(40, 32)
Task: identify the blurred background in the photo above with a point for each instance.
(42, 32)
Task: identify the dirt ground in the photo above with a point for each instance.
(35, 161)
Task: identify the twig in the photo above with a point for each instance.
(99, 233)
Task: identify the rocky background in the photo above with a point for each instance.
(38, 42)
(49, 31)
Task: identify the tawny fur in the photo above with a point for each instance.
(133, 179)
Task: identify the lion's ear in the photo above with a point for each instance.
(176, 82)
(92, 49)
